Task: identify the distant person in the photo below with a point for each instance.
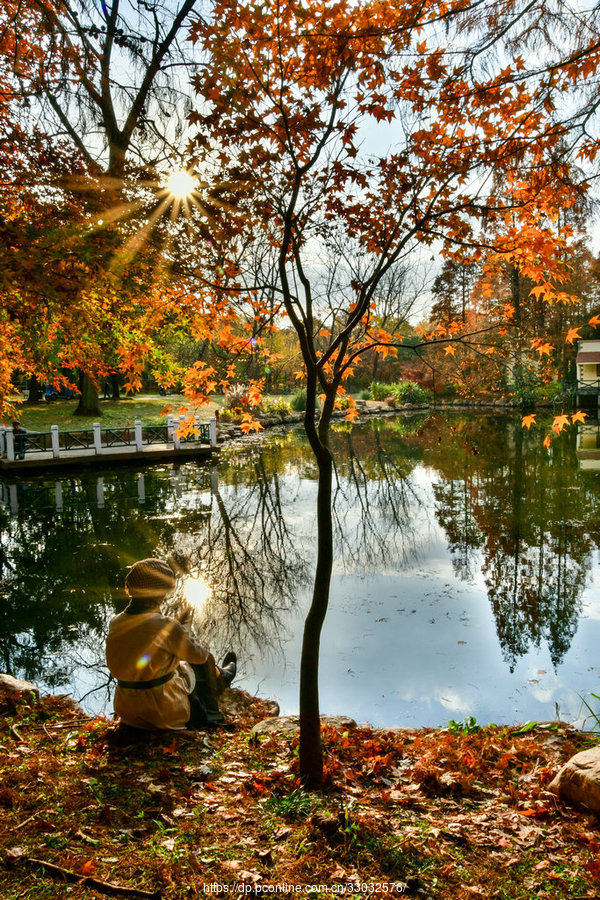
(19, 439)
(106, 390)
(166, 679)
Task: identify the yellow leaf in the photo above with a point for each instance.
(579, 416)
(572, 333)
(547, 442)
(559, 423)
(528, 421)
(450, 350)
(594, 321)
(538, 291)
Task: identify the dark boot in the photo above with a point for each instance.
(203, 699)
(228, 669)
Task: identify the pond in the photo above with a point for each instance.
(465, 579)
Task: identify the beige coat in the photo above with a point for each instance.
(146, 646)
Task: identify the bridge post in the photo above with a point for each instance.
(212, 426)
(170, 426)
(97, 438)
(137, 429)
(54, 441)
(10, 445)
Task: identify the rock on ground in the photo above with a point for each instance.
(10, 685)
(242, 707)
(287, 724)
(578, 781)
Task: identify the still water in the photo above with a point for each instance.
(465, 580)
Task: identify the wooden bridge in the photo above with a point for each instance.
(102, 446)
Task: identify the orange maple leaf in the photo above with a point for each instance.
(528, 421)
(579, 416)
(538, 290)
(594, 321)
(87, 868)
(559, 423)
(572, 333)
(249, 424)
(450, 350)
(547, 442)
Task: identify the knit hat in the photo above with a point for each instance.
(150, 579)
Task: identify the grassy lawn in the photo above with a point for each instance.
(150, 408)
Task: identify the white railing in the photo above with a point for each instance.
(103, 440)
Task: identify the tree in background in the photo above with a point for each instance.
(95, 102)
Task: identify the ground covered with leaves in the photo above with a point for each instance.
(87, 811)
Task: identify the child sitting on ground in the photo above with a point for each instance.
(165, 678)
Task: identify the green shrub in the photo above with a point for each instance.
(526, 385)
(410, 392)
(298, 401)
(365, 395)
(233, 416)
(379, 391)
(276, 407)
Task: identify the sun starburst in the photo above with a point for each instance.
(180, 184)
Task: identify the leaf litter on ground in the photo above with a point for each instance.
(442, 813)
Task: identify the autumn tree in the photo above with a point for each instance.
(103, 86)
(377, 127)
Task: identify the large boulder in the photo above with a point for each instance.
(10, 685)
(578, 781)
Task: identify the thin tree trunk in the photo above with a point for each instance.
(311, 755)
(89, 404)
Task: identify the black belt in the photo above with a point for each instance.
(144, 685)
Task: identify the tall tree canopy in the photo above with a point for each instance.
(93, 108)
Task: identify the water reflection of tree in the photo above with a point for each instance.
(455, 513)
(248, 557)
(533, 514)
(373, 483)
(62, 570)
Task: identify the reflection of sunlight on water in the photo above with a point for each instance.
(196, 591)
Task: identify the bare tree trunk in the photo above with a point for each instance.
(311, 754)
(89, 404)
(115, 387)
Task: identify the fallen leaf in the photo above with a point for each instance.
(87, 868)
